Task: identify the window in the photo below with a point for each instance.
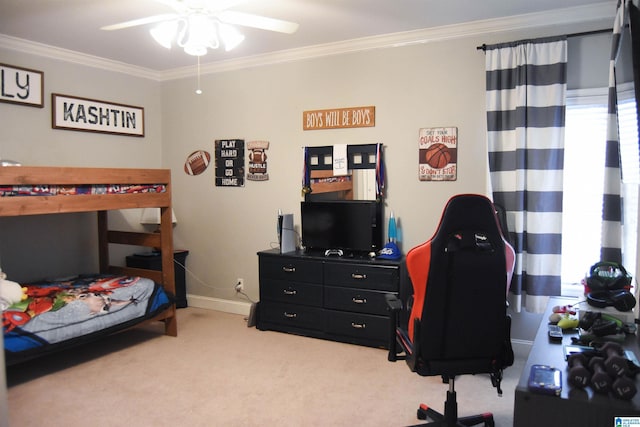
(586, 127)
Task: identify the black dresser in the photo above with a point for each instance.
(336, 298)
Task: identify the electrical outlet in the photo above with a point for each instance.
(239, 284)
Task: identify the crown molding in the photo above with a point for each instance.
(66, 55)
(603, 13)
(599, 13)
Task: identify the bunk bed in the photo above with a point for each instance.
(58, 190)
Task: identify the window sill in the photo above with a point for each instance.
(572, 290)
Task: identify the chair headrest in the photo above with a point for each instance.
(467, 212)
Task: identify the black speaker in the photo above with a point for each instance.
(608, 276)
(621, 299)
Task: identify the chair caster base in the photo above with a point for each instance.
(424, 412)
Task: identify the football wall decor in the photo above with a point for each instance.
(257, 160)
(197, 162)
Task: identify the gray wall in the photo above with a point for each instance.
(588, 64)
(229, 225)
(435, 84)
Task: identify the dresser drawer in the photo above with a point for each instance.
(384, 278)
(361, 326)
(291, 292)
(356, 300)
(290, 269)
(293, 316)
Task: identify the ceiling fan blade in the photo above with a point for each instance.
(257, 21)
(177, 5)
(209, 6)
(141, 21)
(225, 4)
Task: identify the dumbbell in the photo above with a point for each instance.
(600, 380)
(615, 363)
(617, 366)
(624, 388)
(579, 375)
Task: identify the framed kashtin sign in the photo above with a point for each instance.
(90, 115)
(21, 86)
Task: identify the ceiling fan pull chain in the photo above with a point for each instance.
(198, 90)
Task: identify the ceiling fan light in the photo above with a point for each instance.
(164, 33)
(230, 36)
(201, 34)
(195, 50)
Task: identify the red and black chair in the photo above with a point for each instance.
(454, 320)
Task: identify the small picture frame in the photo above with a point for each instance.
(21, 86)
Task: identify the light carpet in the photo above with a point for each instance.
(218, 372)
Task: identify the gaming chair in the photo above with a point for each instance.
(456, 321)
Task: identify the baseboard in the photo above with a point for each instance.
(521, 348)
(224, 305)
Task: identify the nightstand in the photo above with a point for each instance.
(153, 261)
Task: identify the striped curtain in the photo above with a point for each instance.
(526, 88)
(612, 209)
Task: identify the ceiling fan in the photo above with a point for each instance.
(197, 25)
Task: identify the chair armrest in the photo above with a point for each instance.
(393, 302)
(394, 305)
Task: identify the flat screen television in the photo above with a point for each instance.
(352, 226)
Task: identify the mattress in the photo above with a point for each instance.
(71, 190)
(60, 313)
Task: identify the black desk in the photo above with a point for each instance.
(153, 261)
(575, 407)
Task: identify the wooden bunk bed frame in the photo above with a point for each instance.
(102, 203)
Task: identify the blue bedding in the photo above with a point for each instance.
(58, 313)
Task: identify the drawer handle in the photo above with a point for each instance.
(358, 276)
(359, 300)
(290, 291)
(358, 325)
(290, 315)
(289, 269)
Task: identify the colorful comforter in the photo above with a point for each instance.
(72, 190)
(57, 313)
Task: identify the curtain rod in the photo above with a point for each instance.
(584, 33)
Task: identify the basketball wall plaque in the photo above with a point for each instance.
(438, 154)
